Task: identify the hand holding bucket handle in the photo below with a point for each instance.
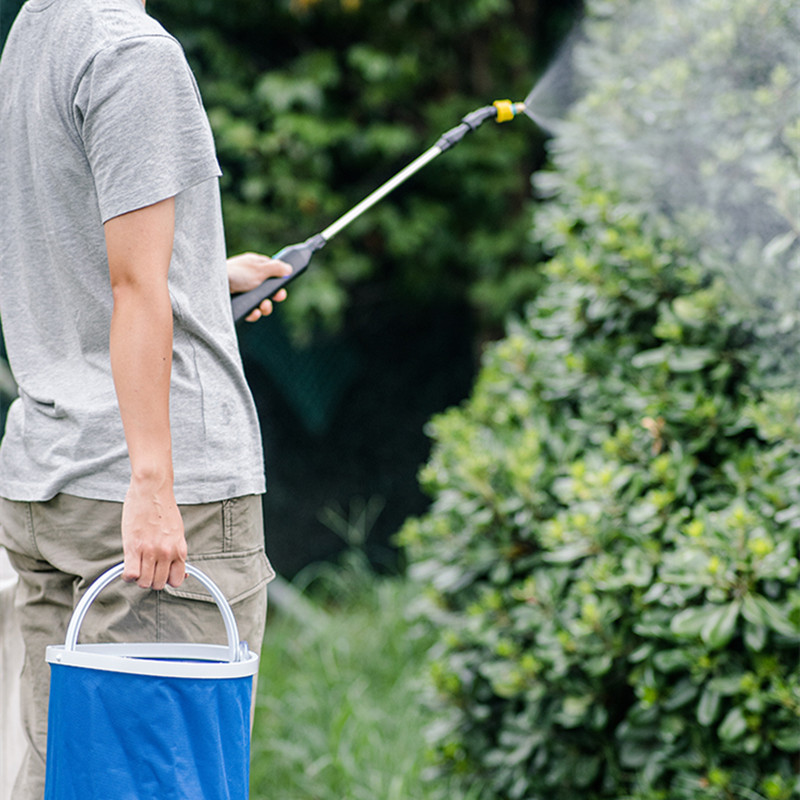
(107, 577)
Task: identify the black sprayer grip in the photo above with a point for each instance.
(298, 255)
(473, 120)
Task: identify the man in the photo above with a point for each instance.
(134, 435)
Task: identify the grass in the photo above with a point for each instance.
(339, 711)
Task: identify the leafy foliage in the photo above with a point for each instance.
(612, 553)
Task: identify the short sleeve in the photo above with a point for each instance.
(142, 123)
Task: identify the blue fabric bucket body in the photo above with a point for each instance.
(121, 736)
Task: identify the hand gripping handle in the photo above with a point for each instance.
(110, 575)
(297, 256)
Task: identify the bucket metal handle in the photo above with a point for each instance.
(234, 651)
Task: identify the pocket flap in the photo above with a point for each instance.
(238, 575)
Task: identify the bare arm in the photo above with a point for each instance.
(139, 246)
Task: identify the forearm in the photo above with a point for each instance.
(141, 363)
(139, 247)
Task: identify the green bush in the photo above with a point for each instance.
(612, 552)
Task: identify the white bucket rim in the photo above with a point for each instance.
(159, 659)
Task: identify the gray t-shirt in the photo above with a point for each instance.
(100, 115)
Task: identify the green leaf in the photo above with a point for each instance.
(726, 685)
(633, 754)
(775, 618)
(755, 636)
(708, 707)
(734, 726)
(720, 625)
(672, 660)
(684, 692)
(691, 359)
(789, 741)
(690, 621)
(649, 358)
(752, 743)
(567, 554)
(752, 611)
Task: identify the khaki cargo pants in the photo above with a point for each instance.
(59, 547)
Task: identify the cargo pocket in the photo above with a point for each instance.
(238, 576)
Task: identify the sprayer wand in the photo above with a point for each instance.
(299, 255)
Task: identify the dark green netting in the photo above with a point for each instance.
(312, 378)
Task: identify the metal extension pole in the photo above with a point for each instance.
(381, 192)
(299, 255)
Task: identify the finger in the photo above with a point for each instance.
(269, 268)
(177, 573)
(160, 574)
(145, 580)
(279, 296)
(253, 316)
(132, 566)
(266, 308)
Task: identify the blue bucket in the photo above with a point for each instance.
(149, 721)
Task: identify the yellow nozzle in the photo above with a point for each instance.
(507, 110)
